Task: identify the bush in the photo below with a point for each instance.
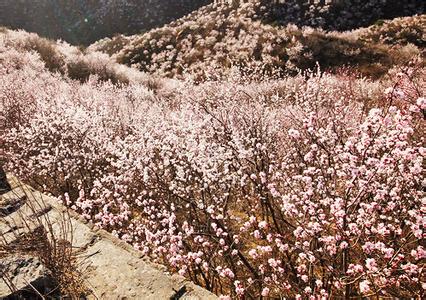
(53, 60)
(224, 36)
(69, 61)
(295, 187)
(81, 68)
(399, 31)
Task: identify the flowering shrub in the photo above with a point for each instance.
(337, 14)
(397, 31)
(300, 187)
(69, 60)
(222, 35)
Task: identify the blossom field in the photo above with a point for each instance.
(301, 187)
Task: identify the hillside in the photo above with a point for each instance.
(243, 184)
(337, 14)
(85, 21)
(220, 35)
(70, 61)
(255, 156)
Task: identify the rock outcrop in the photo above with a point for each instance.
(111, 269)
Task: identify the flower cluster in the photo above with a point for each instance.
(398, 31)
(299, 187)
(69, 60)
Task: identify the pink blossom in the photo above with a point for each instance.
(263, 225)
(421, 102)
(265, 292)
(371, 264)
(260, 182)
(294, 133)
(364, 286)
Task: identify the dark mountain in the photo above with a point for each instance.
(85, 21)
(337, 14)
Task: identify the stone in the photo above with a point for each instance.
(22, 273)
(111, 269)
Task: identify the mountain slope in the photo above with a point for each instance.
(228, 183)
(85, 21)
(338, 14)
(220, 35)
(67, 60)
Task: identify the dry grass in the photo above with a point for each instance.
(32, 232)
